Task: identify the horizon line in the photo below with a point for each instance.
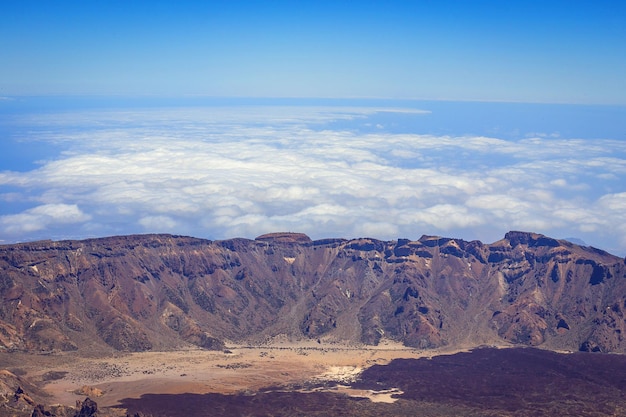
(14, 97)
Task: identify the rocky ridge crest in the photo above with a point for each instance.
(143, 292)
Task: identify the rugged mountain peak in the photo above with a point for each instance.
(366, 244)
(532, 240)
(430, 240)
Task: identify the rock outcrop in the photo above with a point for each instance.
(136, 293)
(17, 395)
(86, 408)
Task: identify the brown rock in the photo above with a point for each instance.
(40, 411)
(285, 237)
(87, 408)
(89, 391)
(135, 293)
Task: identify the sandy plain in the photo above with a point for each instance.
(300, 366)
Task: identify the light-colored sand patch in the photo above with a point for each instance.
(240, 369)
(343, 374)
(385, 396)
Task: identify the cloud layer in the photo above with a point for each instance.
(244, 171)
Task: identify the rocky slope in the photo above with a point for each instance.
(144, 292)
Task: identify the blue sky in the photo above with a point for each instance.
(337, 119)
(538, 51)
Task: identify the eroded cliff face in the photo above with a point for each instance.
(145, 292)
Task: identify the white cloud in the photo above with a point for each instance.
(162, 223)
(378, 230)
(40, 217)
(221, 173)
(614, 202)
(447, 217)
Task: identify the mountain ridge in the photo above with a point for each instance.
(146, 292)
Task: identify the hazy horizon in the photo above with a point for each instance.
(79, 168)
(389, 119)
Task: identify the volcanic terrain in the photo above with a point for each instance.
(139, 293)
(99, 298)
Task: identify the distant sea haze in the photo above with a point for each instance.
(76, 167)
